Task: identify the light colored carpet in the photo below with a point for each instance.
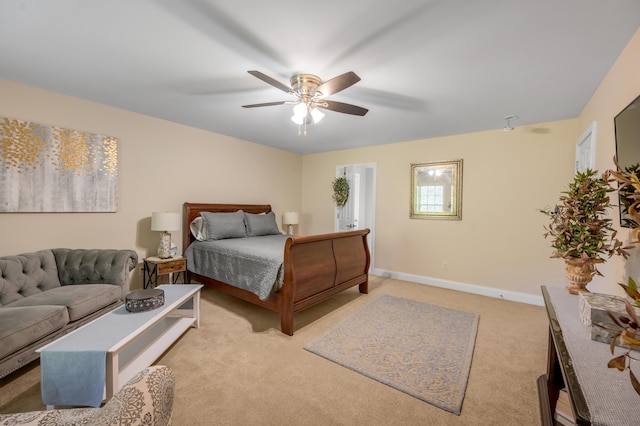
(420, 349)
(239, 369)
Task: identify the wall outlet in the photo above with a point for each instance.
(445, 265)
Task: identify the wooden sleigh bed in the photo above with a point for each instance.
(315, 267)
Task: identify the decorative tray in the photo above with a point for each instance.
(144, 300)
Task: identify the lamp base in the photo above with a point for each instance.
(164, 250)
(289, 229)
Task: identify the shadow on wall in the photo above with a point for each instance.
(146, 239)
(541, 130)
(147, 242)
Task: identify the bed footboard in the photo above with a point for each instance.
(319, 266)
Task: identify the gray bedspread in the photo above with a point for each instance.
(252, 263)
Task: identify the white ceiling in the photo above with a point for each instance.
(428, 68)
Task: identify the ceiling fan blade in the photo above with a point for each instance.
(337, 84)
(342, 107)
(275, 83)
(264, 104)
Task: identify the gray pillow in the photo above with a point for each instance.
(261, 224)
(224, 225)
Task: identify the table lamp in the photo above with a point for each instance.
(290, 219)
(165, 222)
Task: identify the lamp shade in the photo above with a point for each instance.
(165, 221)
(290, 218)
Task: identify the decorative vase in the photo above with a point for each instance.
(579, 273)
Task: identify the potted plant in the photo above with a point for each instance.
(582, 234)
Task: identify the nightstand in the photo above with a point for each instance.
(152, 267)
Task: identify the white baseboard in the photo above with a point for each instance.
(513, 296)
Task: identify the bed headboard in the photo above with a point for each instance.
(192, 210)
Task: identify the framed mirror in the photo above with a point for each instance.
(436, 190)
(627, 127)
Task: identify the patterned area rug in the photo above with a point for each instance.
(417, 348)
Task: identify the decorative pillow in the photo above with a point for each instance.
(261, 224)
(198, 230)
(224, 225)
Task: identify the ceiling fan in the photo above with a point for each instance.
(310, 92)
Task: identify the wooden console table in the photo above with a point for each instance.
(598, 395)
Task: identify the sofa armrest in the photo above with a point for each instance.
(96, 266)
(146, 399)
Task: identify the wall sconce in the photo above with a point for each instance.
(290, 219)
(165, 222)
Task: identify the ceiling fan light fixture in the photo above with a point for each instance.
(300, 109)
(317, 115)
(300, 112)
(298, 119)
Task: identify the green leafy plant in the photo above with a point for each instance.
(340, 191)
(578, 225)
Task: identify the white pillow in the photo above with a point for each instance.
(198, 230)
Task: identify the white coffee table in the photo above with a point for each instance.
(132, 340)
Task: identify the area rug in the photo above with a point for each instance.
(420, 349)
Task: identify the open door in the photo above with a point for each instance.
(359, 211)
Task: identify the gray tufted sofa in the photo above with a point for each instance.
(46, 294)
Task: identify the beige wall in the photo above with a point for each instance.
(619, 87)
(508, 177)
(198, 166)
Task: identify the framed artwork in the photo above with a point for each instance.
(52, 169)
(436, 190)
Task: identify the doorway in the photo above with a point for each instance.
(360, 210)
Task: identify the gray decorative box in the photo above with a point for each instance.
(593, 310)
(144, 300)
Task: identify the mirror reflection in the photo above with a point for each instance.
(627, 127)
(436, 190)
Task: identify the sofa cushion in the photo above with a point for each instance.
(27, 274)
(21, 326)
(80, 300)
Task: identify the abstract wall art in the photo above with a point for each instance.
(52, 169)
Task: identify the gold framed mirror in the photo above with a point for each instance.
(436, 190)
